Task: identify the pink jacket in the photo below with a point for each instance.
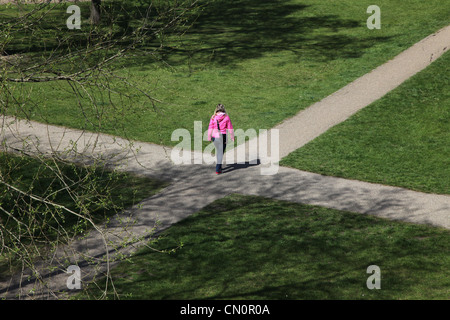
(224, 125)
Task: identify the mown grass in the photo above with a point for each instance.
(243, 247)
(403, 139)
(265, 60)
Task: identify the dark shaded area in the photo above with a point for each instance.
(217, 31)
(94, 193)
(238, 236)
(237, 166)
(44, 32)
(230, 31)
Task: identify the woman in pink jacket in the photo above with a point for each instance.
(217, 132)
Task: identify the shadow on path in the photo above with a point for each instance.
(237, 166)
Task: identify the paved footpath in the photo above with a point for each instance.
(195, 186)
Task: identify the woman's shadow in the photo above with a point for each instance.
(237, 166)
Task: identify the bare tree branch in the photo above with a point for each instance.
(33, 51)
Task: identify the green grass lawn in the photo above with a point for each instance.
(265, 60)
(403, 139)
(244, 247)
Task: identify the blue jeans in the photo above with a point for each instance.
(220, 144)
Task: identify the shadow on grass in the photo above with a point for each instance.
(255, 248)
(217, 31)
(227, 32)
(243, 247)
(45, 32)
(69, 185)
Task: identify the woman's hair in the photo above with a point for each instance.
(220, 108)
